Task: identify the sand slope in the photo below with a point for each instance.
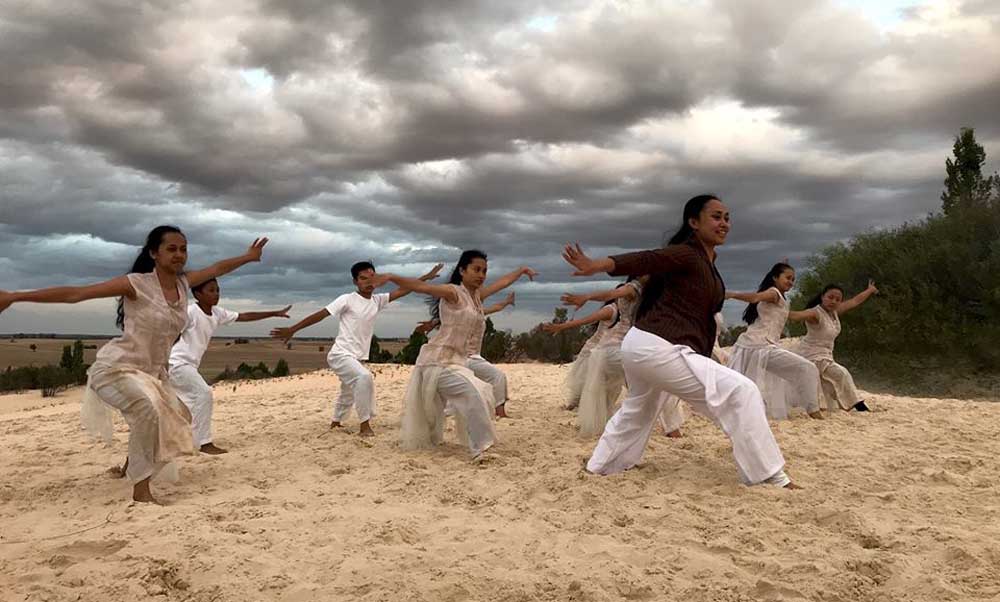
(901, 504)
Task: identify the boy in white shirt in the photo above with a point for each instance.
(204, 318)
(356, 312)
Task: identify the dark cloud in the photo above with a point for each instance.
(405, 132)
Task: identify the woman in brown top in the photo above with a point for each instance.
(130, 372)
(668, 350)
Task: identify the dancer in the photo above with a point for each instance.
(480, 366)
(441, 376)
(786, 379)
(667, 349)
(822, 318)
(604, 374)
(130, 371)
(204, 318)
(356, 312)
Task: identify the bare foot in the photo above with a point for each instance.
(142, 494)
(210, 448)
(118, 472)
(366, 430)
(570, 406)
(675, 434)
(792, 486)
(501, 412)
(817, 415)
(336, 425)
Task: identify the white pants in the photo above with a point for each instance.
(786, 380)
(192, 389)
(489, 373)
(357, 388)
(430, 390)
(654, 366)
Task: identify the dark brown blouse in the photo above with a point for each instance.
(683, 295)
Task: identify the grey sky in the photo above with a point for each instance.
(404, 132)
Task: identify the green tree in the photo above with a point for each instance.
(409, 353)
(965, 187)
(377, 355)
(66, 361)
(281, 368)
(498, 345)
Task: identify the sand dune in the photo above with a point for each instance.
(900, 504)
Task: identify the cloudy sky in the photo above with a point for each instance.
(405, 131)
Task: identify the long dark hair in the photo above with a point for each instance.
(819, 298)
(750, 314)
(464, 261)
(145, 263)
(692, 209)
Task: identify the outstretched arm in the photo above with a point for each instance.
(402, 292)
(288, 332)
(506, 280)
(858, 299)
(806, 315)
(116, 287)
(605, 313)
(578, 301)
(253, 316)
(770, 296)
(441, 291)
(492, 309)
(221, 268)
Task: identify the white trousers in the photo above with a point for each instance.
(786, 380)
(488, 373)
(654, 366)
(357, 388)
(430, 390)
(192, 389)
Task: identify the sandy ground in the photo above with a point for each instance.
(899, 504)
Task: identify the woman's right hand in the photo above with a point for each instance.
(574, 255)
(552, 328)
(284, 333)
(6, 299)
(577, 301)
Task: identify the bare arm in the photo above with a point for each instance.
(506, 280)
(579, 301)
(605, 313)
(402, 292)
(806, 315)
(288, 332)
(492, 309)
(221, 268)
(858, 299)
(253, 316)
(770, 296)
(441, 291)
(116, 287)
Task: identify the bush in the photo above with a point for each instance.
(281, 368)
(409, 353)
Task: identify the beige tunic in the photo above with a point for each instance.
(130, 374)
(817, 346)
(441, 378)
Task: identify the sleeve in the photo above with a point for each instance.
(337, 306)
(226, 316)
(383, 300)
(635, 284)
(670, 259)
(615, 314)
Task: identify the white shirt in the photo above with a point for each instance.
(190, 348)
(357, 323)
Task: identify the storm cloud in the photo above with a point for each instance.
(403, 132)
